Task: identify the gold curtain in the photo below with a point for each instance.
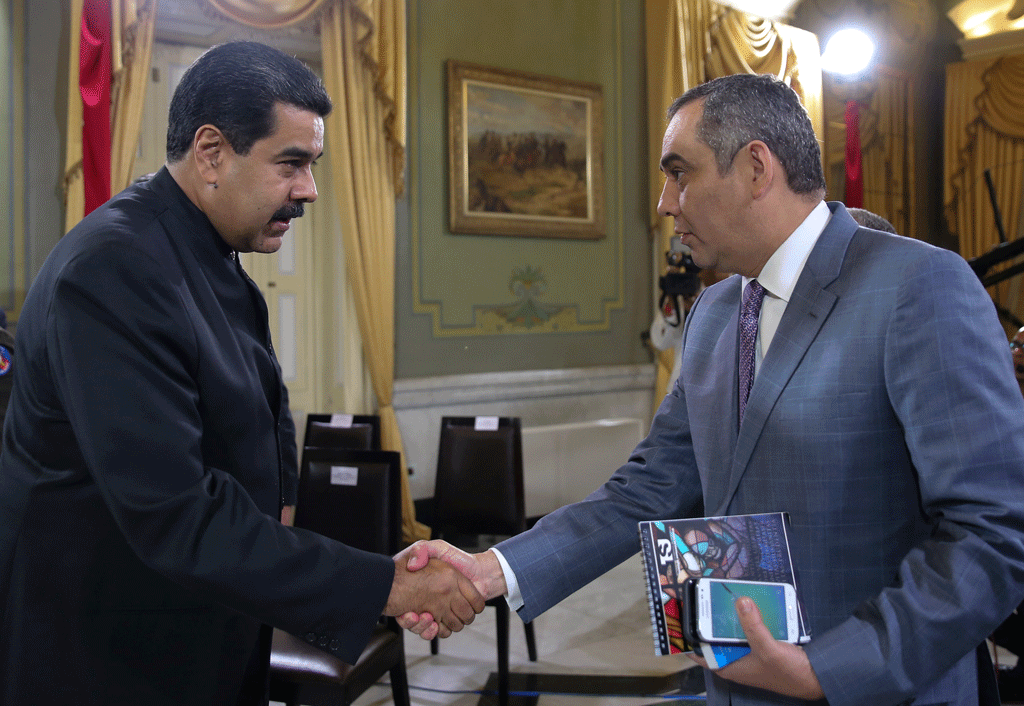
(886, 100)
(677, 41)
(74, 191)
(363, 44)
(134, 21)
(888, 152)
(132, 51)
(747, 44)
(266, 14)
(985, 130)
(692, 41)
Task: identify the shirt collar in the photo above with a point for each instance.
(780, 273)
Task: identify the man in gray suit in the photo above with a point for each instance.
(882, 416)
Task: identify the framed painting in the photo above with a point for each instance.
(524, 154)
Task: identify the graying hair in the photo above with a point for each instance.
(741, 108)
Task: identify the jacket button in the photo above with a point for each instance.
(323, 641)
(335, 644)
(310, 637)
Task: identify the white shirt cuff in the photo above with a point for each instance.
(513, 597)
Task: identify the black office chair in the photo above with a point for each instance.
(363, 511)
(478, 490)
(363, 433)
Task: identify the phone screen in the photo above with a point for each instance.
(769, 597)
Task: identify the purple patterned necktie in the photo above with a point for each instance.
(753, 295)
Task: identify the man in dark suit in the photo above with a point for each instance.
(882, 415)
(148, 439)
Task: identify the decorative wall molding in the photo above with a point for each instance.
(519, 385)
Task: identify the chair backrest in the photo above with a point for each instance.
(479, 484)
(353, 496)
(362, 433)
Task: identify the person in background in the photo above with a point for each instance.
(869, 219)
(1017, 351)
(809, 385)
(679, 287)
(148, 442)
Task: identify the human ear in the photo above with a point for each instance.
(208, 149)
(761, 163)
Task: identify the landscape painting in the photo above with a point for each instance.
(524, 154)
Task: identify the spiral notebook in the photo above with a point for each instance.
(745, 547)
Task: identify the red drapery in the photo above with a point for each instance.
(854, 192)
(94, 78)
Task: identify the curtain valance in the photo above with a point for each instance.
(266, 14)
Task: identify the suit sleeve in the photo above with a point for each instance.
(572, 546)
(124, 359)
(950, 383)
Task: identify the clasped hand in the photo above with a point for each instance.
(432, 586)
(482, 569)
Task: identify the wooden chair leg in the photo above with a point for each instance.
(531, 642)
(502, 624)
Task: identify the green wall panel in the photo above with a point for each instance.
(477, 303)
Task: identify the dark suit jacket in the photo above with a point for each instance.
(885, 419)
(143, 471)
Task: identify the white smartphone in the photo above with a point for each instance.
(717, 620)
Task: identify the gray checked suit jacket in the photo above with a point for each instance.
(885, 419)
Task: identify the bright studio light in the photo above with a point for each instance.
(847, 52)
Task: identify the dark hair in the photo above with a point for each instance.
(869, 219)
(235, 86)
(741, 108)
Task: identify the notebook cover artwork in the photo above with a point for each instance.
(747, 547)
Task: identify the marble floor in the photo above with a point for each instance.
(594, 649)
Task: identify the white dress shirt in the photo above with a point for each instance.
(780, 273)
(778, 277)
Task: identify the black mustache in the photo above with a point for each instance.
(289, 211)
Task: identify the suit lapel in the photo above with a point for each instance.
(809, 306)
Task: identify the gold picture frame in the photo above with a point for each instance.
(524, 154)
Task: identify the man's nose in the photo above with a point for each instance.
(668, 204)
(305, 189)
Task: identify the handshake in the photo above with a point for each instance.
(439, 589)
